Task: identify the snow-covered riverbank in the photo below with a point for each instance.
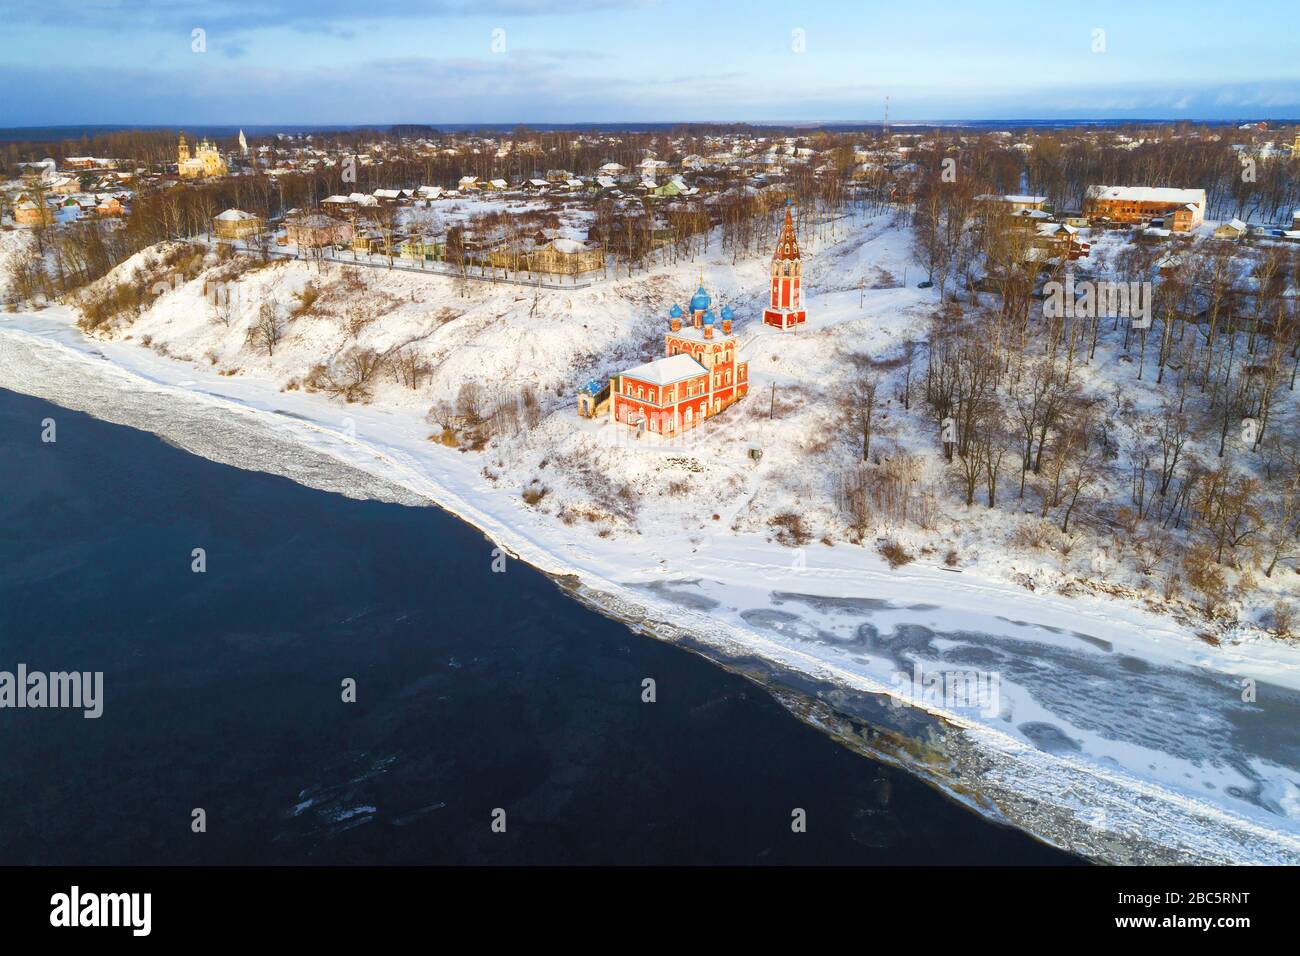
(1113, 731)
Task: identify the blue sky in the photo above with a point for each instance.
(444, 61)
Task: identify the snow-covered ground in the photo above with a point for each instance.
(1105, 727)
(12, 242)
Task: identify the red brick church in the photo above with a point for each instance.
(698, 376)
(700, 373)
(786, 309)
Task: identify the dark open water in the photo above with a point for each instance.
(476, 690)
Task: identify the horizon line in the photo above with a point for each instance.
(673, 122)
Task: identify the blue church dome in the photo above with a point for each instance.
(727, 314)
(676, 311)
(708, 317)
(700, 300)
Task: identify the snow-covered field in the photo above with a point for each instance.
(1108, 728)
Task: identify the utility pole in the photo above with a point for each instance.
(771, 411)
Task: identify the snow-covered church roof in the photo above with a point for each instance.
(666, 371)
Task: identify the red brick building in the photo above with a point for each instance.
(698, 376)
(1182, 209)
(786, 308)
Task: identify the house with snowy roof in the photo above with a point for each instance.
(316, 230)
(236, 224)
(1059, 239)
(87, 162)
(1013, 204)
(563, 256)
(650, 168)
(64, 186)
(559, 256)
(1182, 209)
(28, 212)
(1232, 230)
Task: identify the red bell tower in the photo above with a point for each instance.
(786, 308)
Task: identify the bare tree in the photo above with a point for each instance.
(267, 329)
(861, 404)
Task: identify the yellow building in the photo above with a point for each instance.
(236, 224)
(557, 257)
(206, 161)
(32, 213)
(423, 248)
